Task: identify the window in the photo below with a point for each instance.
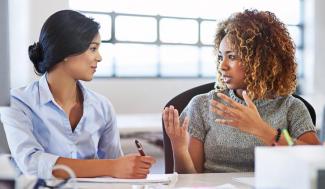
(165, 39)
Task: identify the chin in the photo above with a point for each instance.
(88, 78)
(229, 86)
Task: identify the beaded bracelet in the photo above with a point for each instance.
(277, 137)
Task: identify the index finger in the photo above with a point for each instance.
(166, 117)
(148, 159)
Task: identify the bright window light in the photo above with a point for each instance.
(208, 30)
(179, 31)
(295, 34)
(208, 62)
(105, 22)
(179, 61)
(134, 60)
(168, 38)
(130, 28)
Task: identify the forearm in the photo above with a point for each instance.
(85, 168)
(183, 161)
(267, 135)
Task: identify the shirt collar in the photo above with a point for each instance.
(46, 95)
(44, 90)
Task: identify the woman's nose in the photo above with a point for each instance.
(99, 58)
(224, 64)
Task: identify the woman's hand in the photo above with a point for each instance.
(245, 118)
(133, 166)
(177, 134)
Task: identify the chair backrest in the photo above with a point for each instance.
(180, 101)
(4, 148)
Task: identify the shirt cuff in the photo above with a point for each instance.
(46, 163)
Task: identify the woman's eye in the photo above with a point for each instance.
(232, 57)
(93, 48)
(220, 58)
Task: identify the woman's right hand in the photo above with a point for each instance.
(133, 166)
(177, 134)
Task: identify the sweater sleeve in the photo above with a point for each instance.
(299, 118)
(196, 122)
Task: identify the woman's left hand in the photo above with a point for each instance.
(245, 118)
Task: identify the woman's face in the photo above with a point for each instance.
(83, 66)
(230, 66)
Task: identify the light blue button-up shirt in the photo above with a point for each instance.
(39, 132)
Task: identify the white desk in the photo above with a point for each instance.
(131, 123)
(184, 180)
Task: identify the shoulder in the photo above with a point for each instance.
(97, 98)
(201, 99)
(200, 104)
(293, 102)
(99, 103)
(291, 106)
(27, 95)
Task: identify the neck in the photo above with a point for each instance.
(239, 93)
(63, 88)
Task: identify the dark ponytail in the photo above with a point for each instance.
(36, 56)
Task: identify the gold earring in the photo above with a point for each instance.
(65, 60)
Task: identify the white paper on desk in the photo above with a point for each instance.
(151, 179)
(226, 186)
(245, 180)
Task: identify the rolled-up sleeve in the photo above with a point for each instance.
(27, 152)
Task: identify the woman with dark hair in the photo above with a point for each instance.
(252, 102)
(57, 120)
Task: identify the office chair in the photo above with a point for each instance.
(180, 101)
(4, 148)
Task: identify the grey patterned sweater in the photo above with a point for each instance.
(227, 149)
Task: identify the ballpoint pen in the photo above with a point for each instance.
(140, 148)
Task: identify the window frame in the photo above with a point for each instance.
(198, 44)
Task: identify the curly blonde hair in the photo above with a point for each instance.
(266, 50)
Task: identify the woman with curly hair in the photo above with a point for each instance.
(252, 101)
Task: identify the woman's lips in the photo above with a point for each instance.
(94, 68)
(226, 79)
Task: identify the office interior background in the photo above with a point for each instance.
(153, 50)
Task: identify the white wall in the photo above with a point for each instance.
(142, 95)
(25, 22)
(319, 84)
(314, 47)
(146, 95)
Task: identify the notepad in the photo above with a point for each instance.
(165, 179)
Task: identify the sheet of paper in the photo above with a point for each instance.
(223, 186)
(151, 179)
(245, 180)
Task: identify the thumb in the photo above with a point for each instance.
(186, 123)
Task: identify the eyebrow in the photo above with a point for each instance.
(96, 43)
(227, 52)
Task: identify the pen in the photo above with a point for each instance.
(287, 137)
(139, 146)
